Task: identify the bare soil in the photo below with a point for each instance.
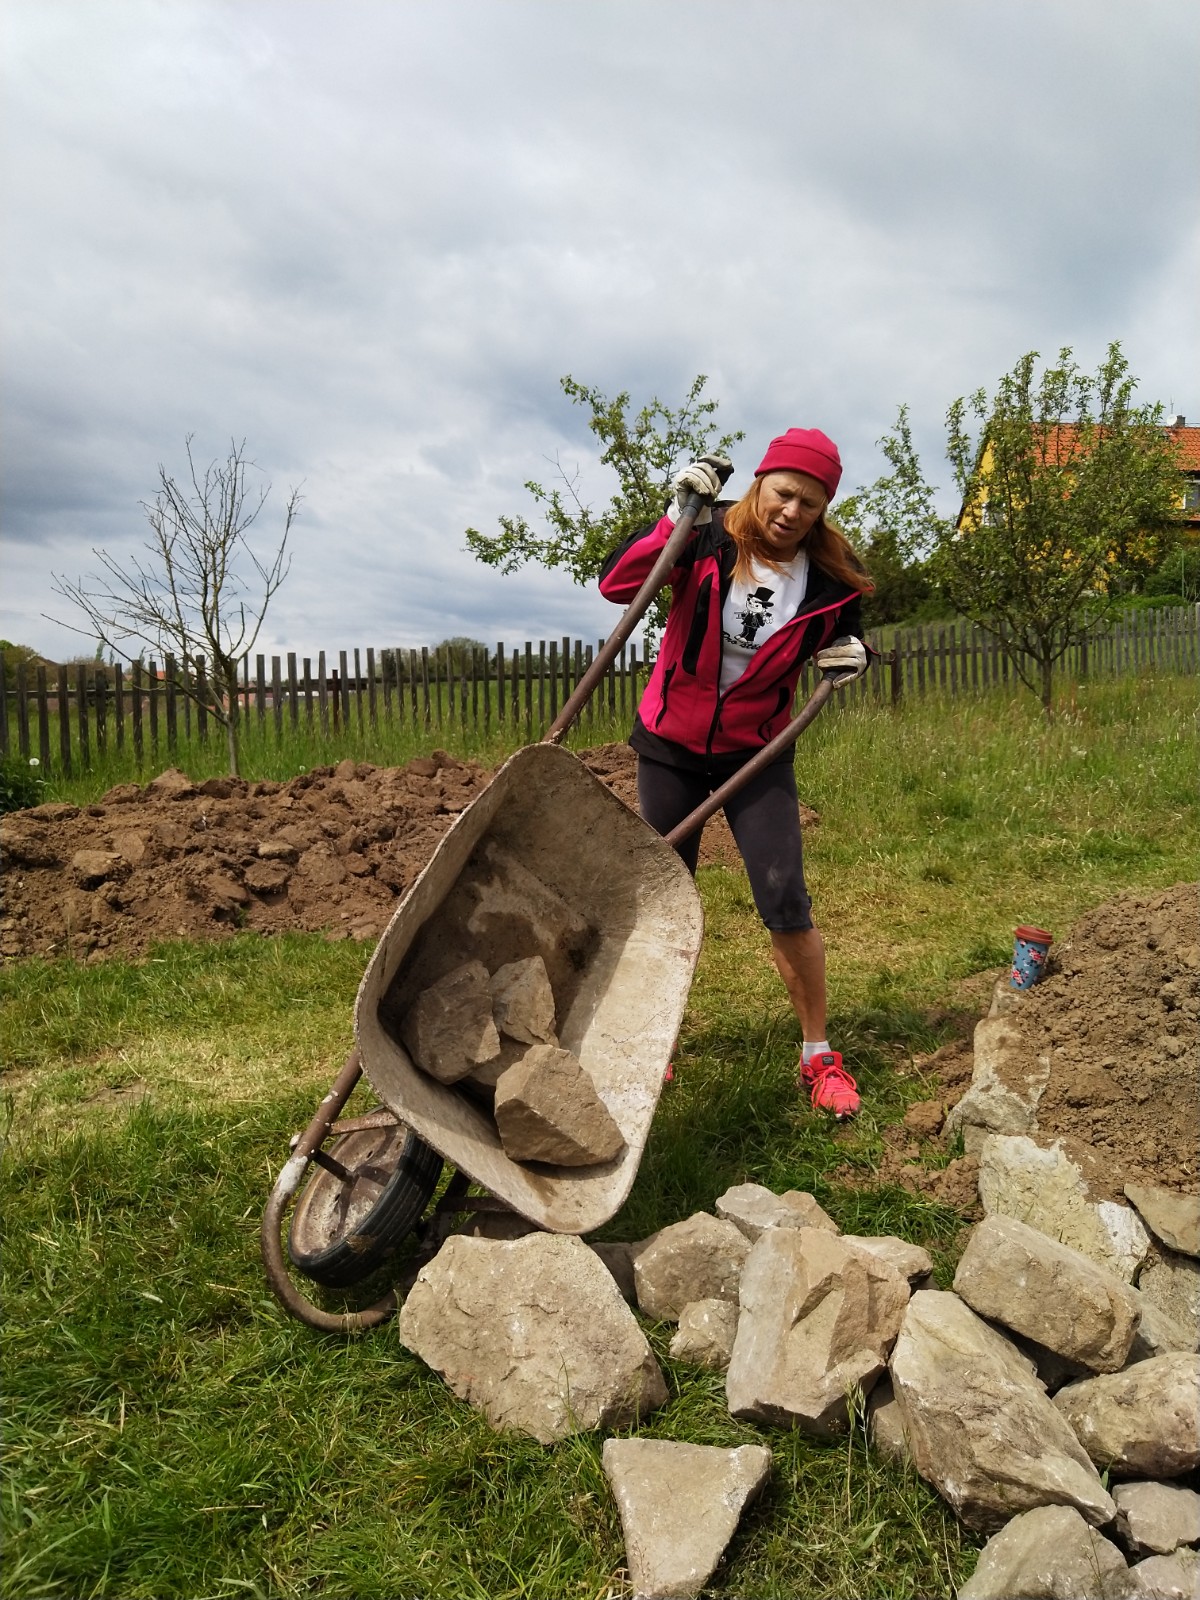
(1117, 1017)
(331, 850)
(1118, 1014)
(1118, 1011)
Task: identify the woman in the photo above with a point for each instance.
(761, 586)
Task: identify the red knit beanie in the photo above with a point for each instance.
(805, 450)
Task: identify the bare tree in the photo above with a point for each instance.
(201, 590)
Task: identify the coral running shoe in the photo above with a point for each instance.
(832, 1088)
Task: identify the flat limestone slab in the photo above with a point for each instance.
(1044, 1188)
(1050, 1554)
(1057, 1296)
(978, 1422)
(547, 862)
(533, 1333)
(818, 1317)
(1174, 1218)
(1140, 1423)
(680, 1505)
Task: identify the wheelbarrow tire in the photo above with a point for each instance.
(338, 1245)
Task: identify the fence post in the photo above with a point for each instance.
(358, 692)
(201, 699)
(335, 699)
(387, 685)
(260, 689)
(541, 687)
(487, 691)
(528, 687)
(81, 710)
(308, 688)
(426, 708)
(322, 692)
(344, 672)
(894, 674)
(293, 689)
(277, 698)
(152, 697)
(119, 704)
(43, 705)
(475, 687)
(64, 720)
(139, 743)
(101, 705)
(23, 709)
(172, 707)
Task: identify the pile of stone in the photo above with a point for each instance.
(1011, 1394)
(495, 1032)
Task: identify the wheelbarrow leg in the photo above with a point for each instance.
(288, 1181)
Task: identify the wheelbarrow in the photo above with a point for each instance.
(545, 861)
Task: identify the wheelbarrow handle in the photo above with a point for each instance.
(630, 618)
(758, 761)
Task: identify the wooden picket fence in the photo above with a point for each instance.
(62, 715)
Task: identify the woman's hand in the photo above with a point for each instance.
(846, 656)
(703, 477)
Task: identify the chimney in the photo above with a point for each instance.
(1176, 422)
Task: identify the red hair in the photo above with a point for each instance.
(828, 547)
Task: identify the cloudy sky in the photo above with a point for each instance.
(369, 237)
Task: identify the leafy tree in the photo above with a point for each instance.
(18, 655)
(1178, 575)
(895, 525)
(203, 590)
(1068, 490)
(645, 451)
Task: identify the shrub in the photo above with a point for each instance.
(20, 784)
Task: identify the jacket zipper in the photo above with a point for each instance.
(721, 698)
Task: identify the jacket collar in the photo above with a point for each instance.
(822, 592)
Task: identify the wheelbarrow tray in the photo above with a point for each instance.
(546, 861)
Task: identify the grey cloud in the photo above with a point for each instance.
(371, 238)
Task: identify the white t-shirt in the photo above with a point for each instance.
(754, 610)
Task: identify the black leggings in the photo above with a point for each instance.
(764, 818)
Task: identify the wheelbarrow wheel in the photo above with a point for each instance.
(354, 1213)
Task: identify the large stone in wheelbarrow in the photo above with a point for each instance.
(533, 1333)
(523, 1001)
(547, 1109)
(450, 1031)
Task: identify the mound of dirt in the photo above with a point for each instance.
(1118, 1015)
(333, 849)
(1116, 1024)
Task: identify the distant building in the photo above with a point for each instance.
(1061, 446)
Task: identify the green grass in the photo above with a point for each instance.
(169, 1432)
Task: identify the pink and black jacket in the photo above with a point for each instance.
(682, 703)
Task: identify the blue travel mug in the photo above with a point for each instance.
(1030, 950)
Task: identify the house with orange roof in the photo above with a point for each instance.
(1061, 443)
(1187, 442)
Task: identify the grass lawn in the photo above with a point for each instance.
(169, 1432)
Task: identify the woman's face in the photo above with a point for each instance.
(789, 504)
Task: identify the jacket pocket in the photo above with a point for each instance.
(666, 685)
(698, 628)
(782, 697)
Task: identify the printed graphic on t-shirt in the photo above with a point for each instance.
(753, 616)
(755, 609)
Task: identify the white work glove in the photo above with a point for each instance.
(703, 477)
(846, 656)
